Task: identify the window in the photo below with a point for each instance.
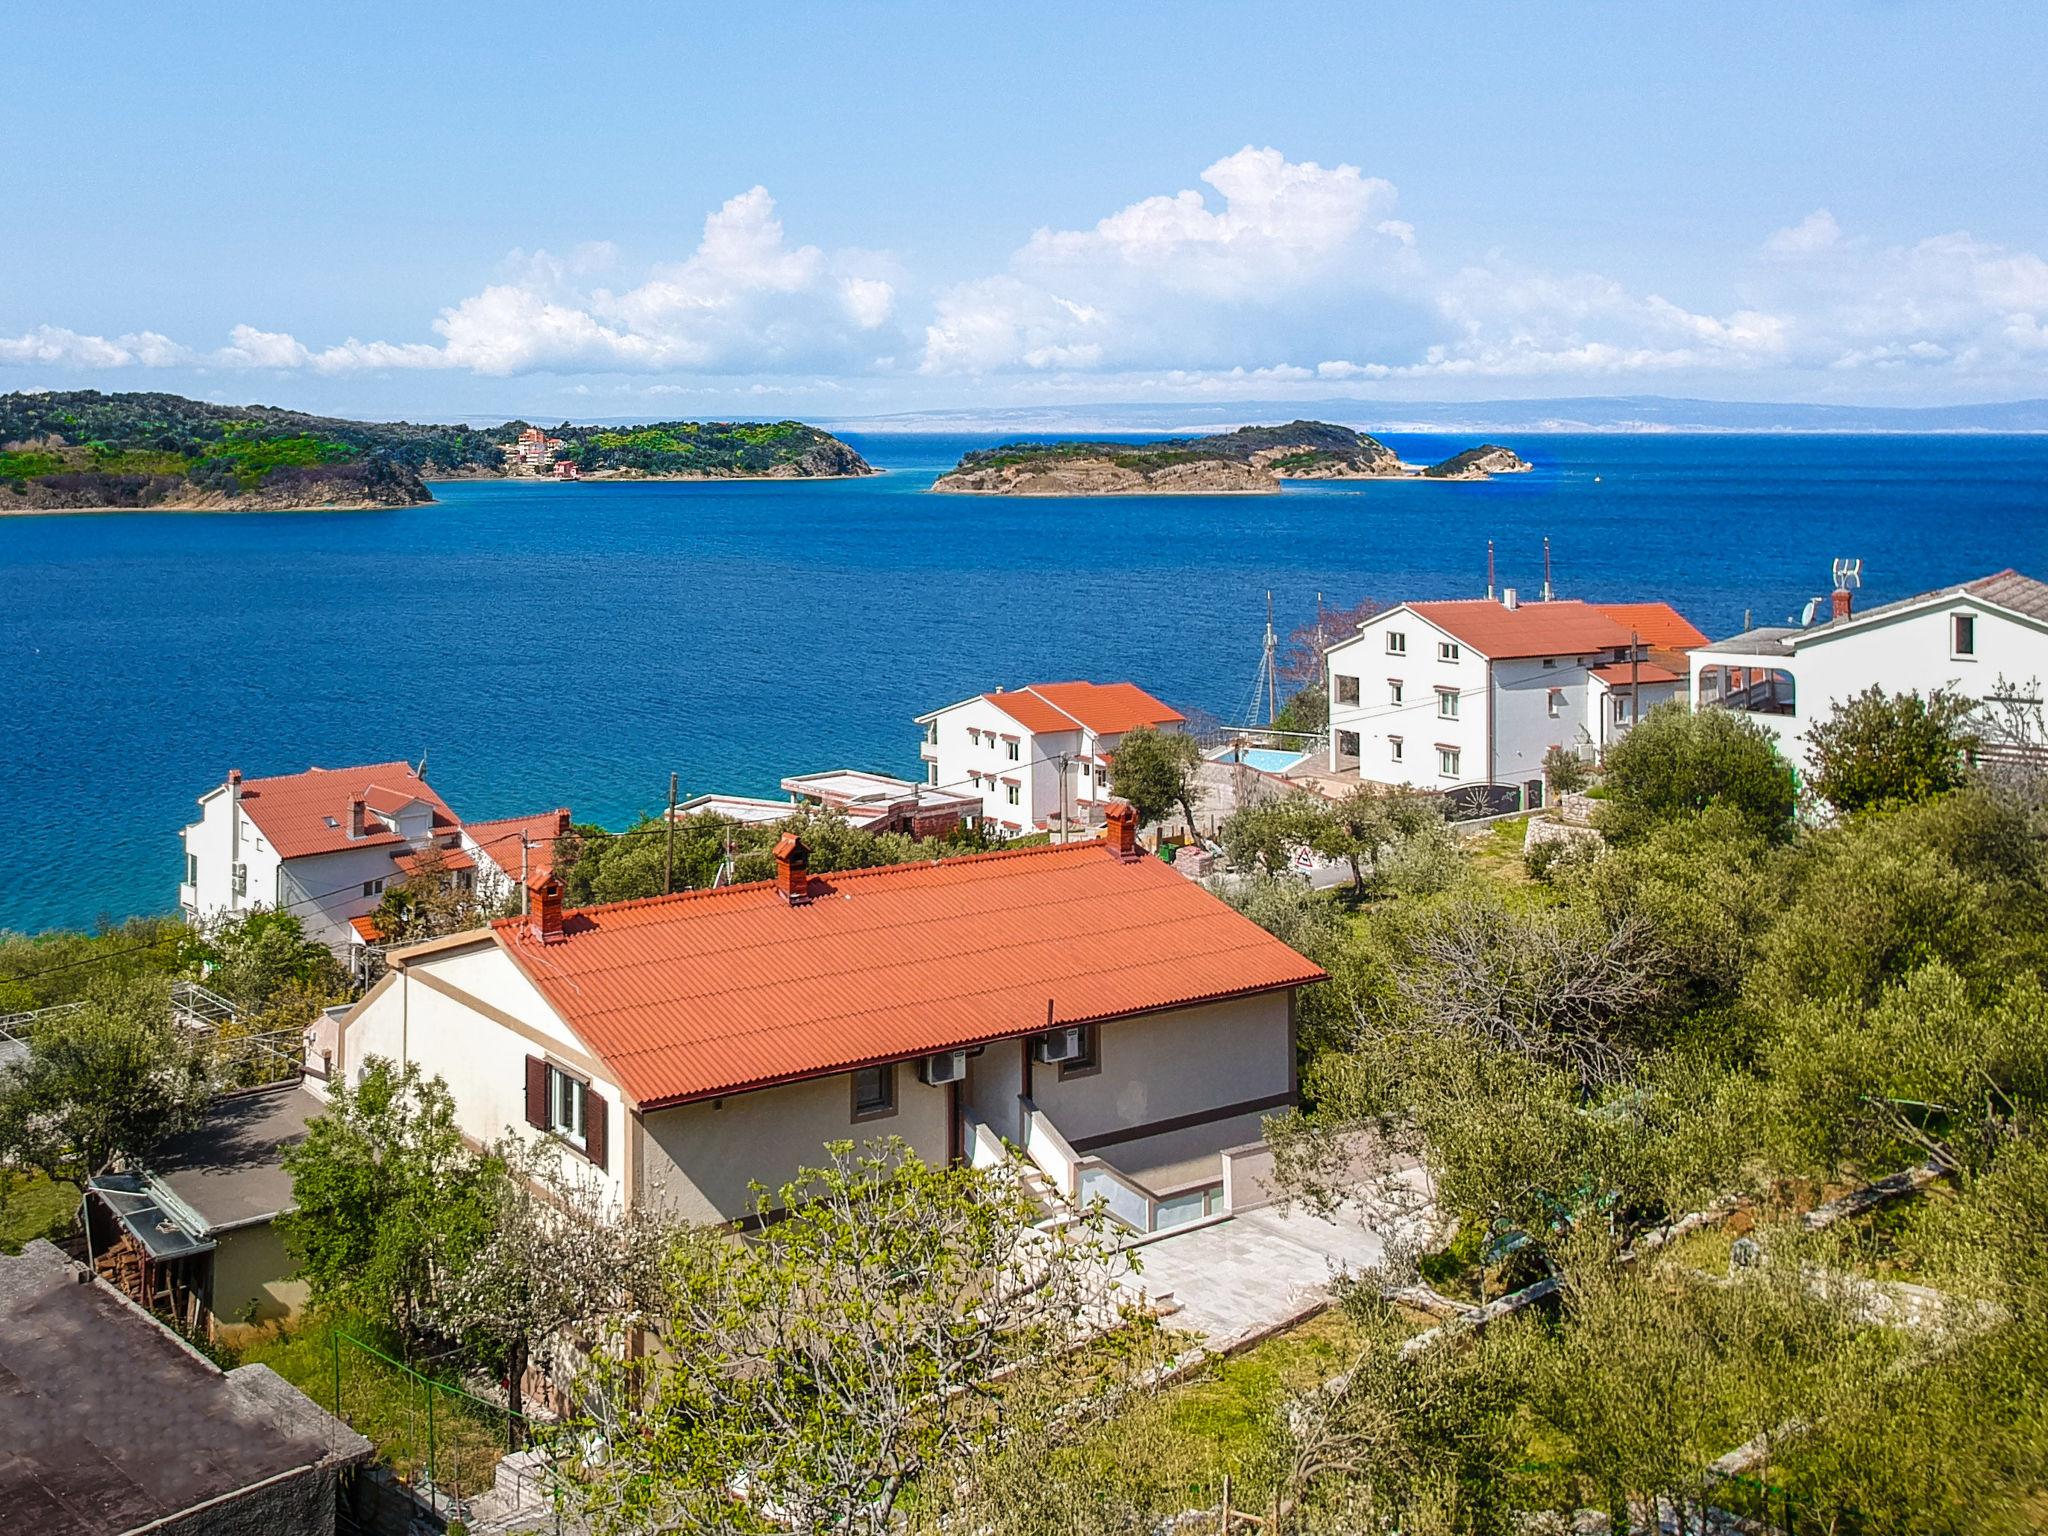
(1010, 793)
(1621, 709)
(931, 773)
(1447, 703)
(1393, 690)
(1963, 634)
(931, 733)
(874, 1092)
(1089, 1062)
(1101, 777)
(1397, 643)
(1394, 748)
(1556, 702)
(1347, 690)
(191, 869)
(1011, 747)
(1550, 661)
(1447, 650)
(1447, 762)
(568, 1106)
(1347, 745)
(373, 888)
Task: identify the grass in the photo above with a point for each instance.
(1498, 850)
(31, 1206)
(464, 1438)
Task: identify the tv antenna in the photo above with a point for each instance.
(1848, 575)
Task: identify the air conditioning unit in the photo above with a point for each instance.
(945, 1067)
(1059, 1045)
(240, 876)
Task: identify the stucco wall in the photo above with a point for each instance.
(1415, 720)
(1162, 1066)
(699, 1158)
(482, 1062)
(253, 1280)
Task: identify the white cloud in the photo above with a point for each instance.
(1270, 274)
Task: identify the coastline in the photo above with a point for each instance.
(194, 508)
(608, 478)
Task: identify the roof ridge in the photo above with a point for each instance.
(705, 893)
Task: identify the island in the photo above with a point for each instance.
(83, 451)
(1250, 459)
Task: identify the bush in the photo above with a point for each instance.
(1566, 772)
(1880, 749)
(1676, 763)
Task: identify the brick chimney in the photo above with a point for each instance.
(793, 869)
(355, 817)
(1843, 602)
(562, 822)
(1120, 829)
(545, 919)
(235, 777)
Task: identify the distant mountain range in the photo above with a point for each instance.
(1592, 413)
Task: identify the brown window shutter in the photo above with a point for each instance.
(594, 1108)
(537, 1093)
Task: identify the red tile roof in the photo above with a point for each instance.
(293, 810)
(500, 840)
(366, 927)
(411, 860)
(712, 992)
(1107, 709)
(1532, 629)
(1659, 624)
(1616, 674)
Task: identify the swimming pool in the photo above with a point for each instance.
(1265, 759)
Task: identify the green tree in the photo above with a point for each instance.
(853, 1347)
(389, 1200)
(1158, 771)
(256, 959)
(1565, 771)
(1878, 749)
(1676, 763)
(110, 1079)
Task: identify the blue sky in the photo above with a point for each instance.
(842, 210)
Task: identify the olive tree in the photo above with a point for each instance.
(1677, 763)
(1158, 771)
(1878, 749)
(869, 1335)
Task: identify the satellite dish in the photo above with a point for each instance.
(1808, 613)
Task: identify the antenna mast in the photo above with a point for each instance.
(1269, 665)
(1546, 568)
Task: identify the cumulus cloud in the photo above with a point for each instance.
(1269, 274)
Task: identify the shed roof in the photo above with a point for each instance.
(229, 1170)
(108, 1423)
(711, 992)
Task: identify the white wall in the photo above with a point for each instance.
(212, 839)
(700, 1157)
(982, 763)
(325, 890)
(1910, 652)
(482, 1062)
(1415, 720)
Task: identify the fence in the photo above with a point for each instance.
(440, 1441)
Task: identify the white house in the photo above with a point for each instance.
(680, 1048)
(1475, 691)
(1977, 639)
(1038, 757)
(325, 844)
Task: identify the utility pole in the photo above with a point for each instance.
(1635, 653)
(1063, 799)
(1272, 669)
(525, 843)
(668, 864)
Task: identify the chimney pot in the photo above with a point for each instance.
(546, 918)
(562, 822)
(1509, 598)
(355, 817)
(235, 776)
(793, 869)
(1120, 829)
(1843, 602)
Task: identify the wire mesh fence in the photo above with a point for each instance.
(441, 1441)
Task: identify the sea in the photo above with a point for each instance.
(542, 644)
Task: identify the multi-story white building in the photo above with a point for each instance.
(1476, 691)
(1039, 756)
(1979, 639)
(325, 844)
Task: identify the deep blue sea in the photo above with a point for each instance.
(549, 645)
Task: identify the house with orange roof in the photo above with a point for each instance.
(1083, 1003)
(326, 844)
(1038, 757)
(1471, 693)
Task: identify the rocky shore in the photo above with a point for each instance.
(1251, 460)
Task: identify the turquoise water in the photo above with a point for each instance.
(573, 644)
(1265, 759)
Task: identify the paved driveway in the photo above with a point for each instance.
(1254, 1271)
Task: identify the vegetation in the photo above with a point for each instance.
(1158, 772)
(84, 448)
(1676, 761)
(1882, 749)
(1301, 444)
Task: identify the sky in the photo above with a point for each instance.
(671, 210)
